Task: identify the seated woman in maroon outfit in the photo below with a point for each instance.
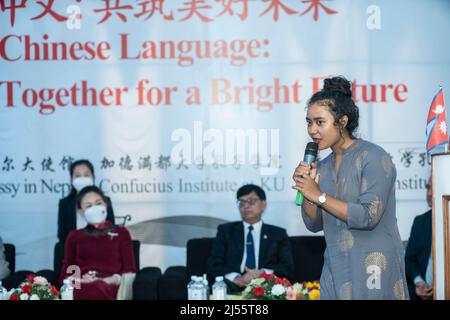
(102, 252)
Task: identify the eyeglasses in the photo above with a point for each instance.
(250, 202)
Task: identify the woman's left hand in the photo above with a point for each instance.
(308, 186)
(88, 278)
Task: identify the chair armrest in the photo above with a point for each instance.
(173, 284)
(150, 272)
(180, 271)
(145, 285)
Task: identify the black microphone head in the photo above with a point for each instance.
(312, 148)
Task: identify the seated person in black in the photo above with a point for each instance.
(418, 258)
(4, 265)
(242, 250)
(82, 175)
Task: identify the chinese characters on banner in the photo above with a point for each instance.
(115, 11)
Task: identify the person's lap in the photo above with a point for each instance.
(97, 290)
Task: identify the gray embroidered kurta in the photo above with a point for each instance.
(364, 258)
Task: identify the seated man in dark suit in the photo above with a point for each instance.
(242, 250)
(418, 258)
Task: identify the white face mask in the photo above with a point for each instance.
(81, 182)
(95, 214)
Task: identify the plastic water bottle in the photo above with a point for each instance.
(3, 292)
(66, 290)
(190, 287)
(219, 289)
(205, 288)
(196, 288)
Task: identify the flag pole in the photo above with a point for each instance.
(447, 145)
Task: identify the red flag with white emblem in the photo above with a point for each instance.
(437, 131)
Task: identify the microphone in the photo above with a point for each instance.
(309, 157)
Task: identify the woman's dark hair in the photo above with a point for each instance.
(87, 163)
(74, 164)
(336, 94)
(249, 188)
(87, 190)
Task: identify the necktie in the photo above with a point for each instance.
(251, 262)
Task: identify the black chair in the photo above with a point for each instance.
(308, 253)
(197, 255)
(10, 256)
(173, 283)
(145, 285)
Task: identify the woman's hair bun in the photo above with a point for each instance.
(338, 84)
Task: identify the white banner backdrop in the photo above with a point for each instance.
(179, 106)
